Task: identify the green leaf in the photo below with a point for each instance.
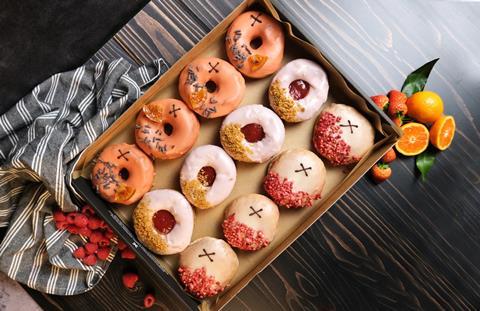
(415, 82)
(425, 162)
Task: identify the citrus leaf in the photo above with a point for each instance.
(424, 162)
(415, 82)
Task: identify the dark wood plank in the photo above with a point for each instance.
(112, 50)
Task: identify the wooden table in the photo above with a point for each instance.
(404, 244)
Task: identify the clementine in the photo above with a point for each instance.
(442, 132)
(414, 140)
(425, 106)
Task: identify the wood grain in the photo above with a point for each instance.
(404, 244)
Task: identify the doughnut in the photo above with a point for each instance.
(166, 129)
(298, 90)
(211, 87)
(163, 221)
(122, 174)
(255, 44)
(342, 135)
(252, 133)
(250, 222)
(295, 178)
(207, 266)
(207, 176)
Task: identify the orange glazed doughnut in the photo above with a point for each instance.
(166, 129)
(122, 174)
(255, 43)
(211, 87)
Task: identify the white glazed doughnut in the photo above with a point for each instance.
(342, 135)
(252, 133)
(163, 221)
(295, 178)
(298, 90)
(250, 222)
(207, 176)
(207, 266)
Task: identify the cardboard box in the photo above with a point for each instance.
(292, 223)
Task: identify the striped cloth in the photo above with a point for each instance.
(40, 139)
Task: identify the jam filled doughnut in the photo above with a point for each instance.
(207, 266)
(211, 87)
(298, 90)
(252, 133)
(250, 222)
(122, 174)
(295, 178)
(166, 129)
(163, 221)
(207, 176)
(255, 44)
(342, 135)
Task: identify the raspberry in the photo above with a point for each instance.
(81, 220)
(61, 225)
(104, 242)
(59, 216)
(88, 211)
(72, 229)
(103, 253)
(253, 132)
(91, 248)
(148, 301)
(103, 225)
(129, 279)
(94, 223)
(70, 218)
(121, 245)
(90, 260)
(128, 254)
(95, 237)
(79, 253)
(85, 232)
(109, 234)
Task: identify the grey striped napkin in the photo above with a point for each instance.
(40, 139)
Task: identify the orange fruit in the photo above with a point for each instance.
(442, 131)
(414, 140)
(425, 106)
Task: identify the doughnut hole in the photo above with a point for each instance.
(253, 132)
(206, 175)
(211, 86)
(168, 129)
(298, 89)
(256, 42)
(163, 221)
(124, 173)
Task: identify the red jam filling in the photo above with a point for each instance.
(207, 176)
(163, 221)
(298, 89)
(253, 132)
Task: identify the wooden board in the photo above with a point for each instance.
(400, 245)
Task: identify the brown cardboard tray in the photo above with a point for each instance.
(292, 223)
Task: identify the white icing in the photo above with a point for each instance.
(225, 261)
(272, 125)
(216, 157)
(311, 72)
(175, 203)
(288, 165)
(268, 221)
(362, 138)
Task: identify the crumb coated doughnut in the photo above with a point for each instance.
(250, 222)
(295, 178)
(298, 90)
(255, 44)
(166, 129)
(122, 174)
(207, 266)
(342, 135)
(163, 221)
(252, 133)
(207, 176)
(211, 87)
